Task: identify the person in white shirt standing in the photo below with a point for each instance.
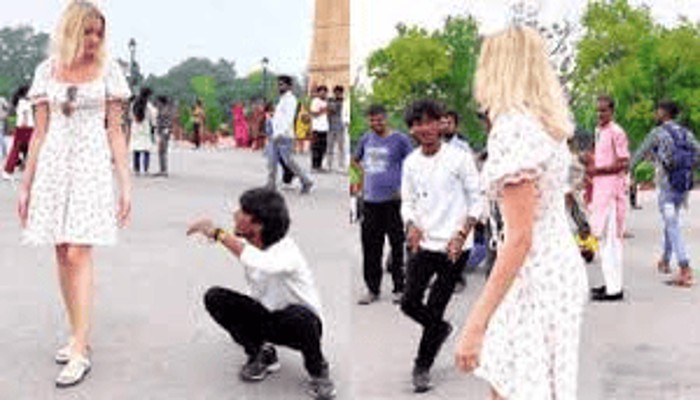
(282, 140)
(319, 127)
(441, 201)
(23, 131)
(282, 305)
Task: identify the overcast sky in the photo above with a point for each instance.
(169, 31)
(374, 21)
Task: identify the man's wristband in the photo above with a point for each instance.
(219, 235)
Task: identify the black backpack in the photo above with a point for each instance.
(682, 159)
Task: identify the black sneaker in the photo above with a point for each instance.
(260, 365)
(421, 380)
(598, 290)
(322, 388)
(619, 296)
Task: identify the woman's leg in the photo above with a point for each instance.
(494, 395)
(76, 278)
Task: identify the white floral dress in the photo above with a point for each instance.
(530, 349)
(72, 198)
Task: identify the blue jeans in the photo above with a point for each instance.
(280, 148)
(672, 239)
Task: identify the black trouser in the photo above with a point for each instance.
(251, 325)
(318, 148)
(421, 268)
(137, 160)
(633, 195)
(197, 134)
(380, 220)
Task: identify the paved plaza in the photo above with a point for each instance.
(645, 348)
(152, 338)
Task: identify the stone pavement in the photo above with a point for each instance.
(152, 337)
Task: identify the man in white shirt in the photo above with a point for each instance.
(282, 139)
(337, 128)
(441, 202)
(282, 305)
(319, 127)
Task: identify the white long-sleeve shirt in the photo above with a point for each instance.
(438, 193)
(283, 118)
(279, 276)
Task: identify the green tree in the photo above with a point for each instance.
(626, 54)
(461, 37)
(439, 65)
(21, 50)
(408, 68)
(204, 87)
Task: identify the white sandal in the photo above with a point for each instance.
(74, 372)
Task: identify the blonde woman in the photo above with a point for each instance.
(66, 197)
(522, 334)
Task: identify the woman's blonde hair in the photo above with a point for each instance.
(69, 36)
(514, 74)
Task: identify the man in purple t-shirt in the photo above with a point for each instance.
(379, 155)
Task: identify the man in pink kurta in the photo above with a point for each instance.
(608, 206)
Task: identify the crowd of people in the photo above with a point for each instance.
(538, 197)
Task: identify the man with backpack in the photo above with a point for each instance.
(674, 150)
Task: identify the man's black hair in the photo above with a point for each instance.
(286, 79)
(423, 109)
(454, 115)
(670, 107)
(322, 87)
(338, 88)
(267, 207)
(20, 93)
(608, 99)
(376, 109)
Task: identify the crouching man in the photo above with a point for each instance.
(282, 306)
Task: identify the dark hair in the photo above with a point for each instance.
(607, 99)
(454, 115)
(164, 100)
(270, 107)
(670, 107)
(376, 109)
(140, 104)
(267, 207)
(421, 109)
(20, 93)
(322, 87)
(338, 88)
(286, 79)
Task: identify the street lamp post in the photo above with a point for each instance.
(265, 62)
(134, 73)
